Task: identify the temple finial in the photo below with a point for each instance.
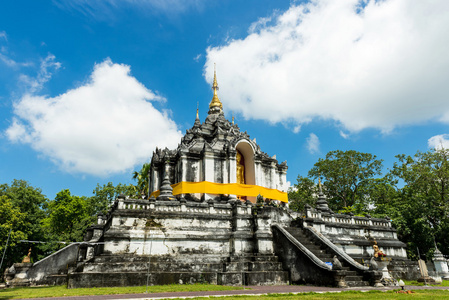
(319, 185)
(215, 101)
(197, 115)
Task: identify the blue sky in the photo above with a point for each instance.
(88, 89)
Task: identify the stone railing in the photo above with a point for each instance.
(336, 250)
(345, 219)
(182, 206)
(318, 262)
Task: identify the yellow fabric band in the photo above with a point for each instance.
(202, 187)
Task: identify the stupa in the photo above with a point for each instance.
(215, 160)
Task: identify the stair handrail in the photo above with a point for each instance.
(337, 250)
(303, 249)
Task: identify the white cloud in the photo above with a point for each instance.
(47, 67)
(313, 143)
(439, 141)
(4, 55)
(377, 66)
(7, 60)
(198, 57)
(103, 127)
(344, 135)
(259, 24)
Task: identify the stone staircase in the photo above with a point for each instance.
(353, 278)
(133, 270)
(253, 269)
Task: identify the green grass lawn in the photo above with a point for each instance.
(60, 291)
(444, 283)
(375, 295)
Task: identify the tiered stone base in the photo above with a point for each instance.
(128, 270)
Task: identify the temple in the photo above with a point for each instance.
(216, 213)
(215, 160)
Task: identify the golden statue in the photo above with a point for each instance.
(377, 251)
(27, 259)
(240, 168)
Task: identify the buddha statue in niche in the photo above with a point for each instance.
(240, 168)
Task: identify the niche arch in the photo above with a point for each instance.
(247, 151)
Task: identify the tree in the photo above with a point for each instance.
(348, 177)
(423, 200)
(106, 194)
(68, 217)
(21, 199)
(142, 178)
(303, 192)
(11, 219)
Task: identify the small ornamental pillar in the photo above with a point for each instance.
(166, 191)
(321, 204)
(211, 206)
(100, 220)
(121, 201)
(308, 210)
(152, 201)
(440, 264)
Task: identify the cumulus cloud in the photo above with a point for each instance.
(439, 141)
(108, 125)
(362, 64)
(313, 143)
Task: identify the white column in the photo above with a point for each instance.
(208, 170)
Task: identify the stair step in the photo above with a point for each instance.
(160, 267)
(357, 283)
(253, 266)
(353, 278)
(253, 278)
(351, 273)
(251, 258)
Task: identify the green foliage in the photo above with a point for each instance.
(68, 216)
(421, 209)
(304, 192)
(12, 218)
(106, 194)
(142, 178)
(348, 178)
(22, 209)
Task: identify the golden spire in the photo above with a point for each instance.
(197, 116)
(215, 101)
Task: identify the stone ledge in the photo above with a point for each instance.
(361, 242)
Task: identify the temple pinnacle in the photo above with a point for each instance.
(215, 101)
(197, 115)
